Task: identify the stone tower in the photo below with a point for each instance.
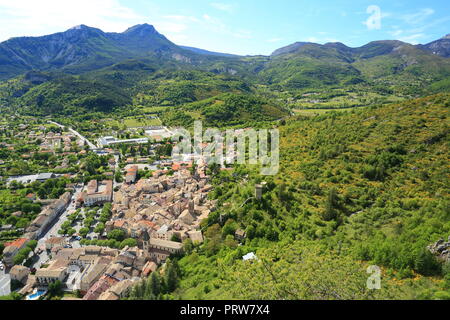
(145, 240)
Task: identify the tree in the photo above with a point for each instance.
(188, 246)
(118, 176)
(171, 276)
(229, 228)
(230, 242)
(88, 222)
(426, 264)
(128, 243)
(100, 228)
(22, 255)
(84, 232)
(331, 205)
(55, 289)
(302, 271)
(155, 283)
(214, 239)
(175, 238)
(13, 296)
(116, 234)
(32, 244)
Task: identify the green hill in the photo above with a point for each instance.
(361, 188)
(72, 96)
(398, 66)
(225, 110)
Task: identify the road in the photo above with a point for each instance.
(116, 184)
(90, 144)
(53, 231)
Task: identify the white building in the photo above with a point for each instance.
(108, 141)
(250, 256)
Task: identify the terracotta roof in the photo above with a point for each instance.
(149, 267)
(120, 223)
(147, 223)
(19, 243)
(132, 170)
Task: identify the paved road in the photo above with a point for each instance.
(90, 144)
(53, 231)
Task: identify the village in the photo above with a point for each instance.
(157, 213)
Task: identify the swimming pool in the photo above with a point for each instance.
(36, 295)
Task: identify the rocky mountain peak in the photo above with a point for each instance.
(141, 30)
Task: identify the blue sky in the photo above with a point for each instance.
(241, 27)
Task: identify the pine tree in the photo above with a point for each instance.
(331, 205)
(155, 284)
(171, 277)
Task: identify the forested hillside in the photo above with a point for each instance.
(226, 110)
(140, 67)
(364, 187)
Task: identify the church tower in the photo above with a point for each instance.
(145, 241)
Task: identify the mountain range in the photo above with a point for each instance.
(85, 69)
(83, 48)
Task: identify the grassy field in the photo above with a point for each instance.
(152, 110)
(315, 112)
(340, 99)
(134, 122)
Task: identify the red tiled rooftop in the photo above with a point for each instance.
(16, 243)
(119, 223)
(147, 223)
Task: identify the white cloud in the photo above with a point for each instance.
(222, 6)
(418, 17)
(217, 26)
(396, 33)
(182, 18)
(242, 34)
(321, 40)
(312, 39)
(48, 16)
(413, 39)
(171, 27)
